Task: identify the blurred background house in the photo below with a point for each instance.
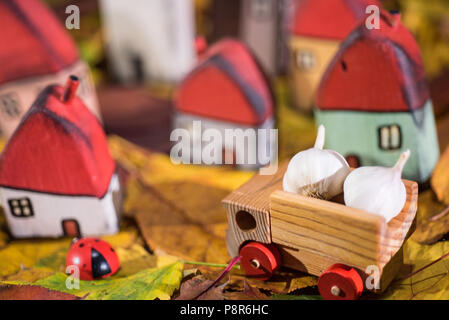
(142, 112)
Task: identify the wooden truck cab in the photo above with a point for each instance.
(322, 238)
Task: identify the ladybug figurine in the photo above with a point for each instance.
(95, 258)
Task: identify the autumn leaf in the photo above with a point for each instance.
(155, 168)
(440, 178)
(248, 293)
(429, 229)
(29, 275)
(148, 284)
(433, 229)
(27, 292)
(34, 259)
(283, 282)
(199, 288)
(190, 239)
(134, 259)
(432, 283)
(24, 254)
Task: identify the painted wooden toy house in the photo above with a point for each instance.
(270, 18)
(247, 20)
(317, 30)
(149, 40)
(56, 174)
(36, 51)
(227, 90)
(375, 103)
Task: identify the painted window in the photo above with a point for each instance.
(21, 207)
(10, 105)
(261, 9)
(305, 60)
(390, 137)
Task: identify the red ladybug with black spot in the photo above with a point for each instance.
(95, 258)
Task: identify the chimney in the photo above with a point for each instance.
(70, 89)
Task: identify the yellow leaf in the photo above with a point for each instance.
(29, 275)
(134, 259)
(430, 284)
(23, 254)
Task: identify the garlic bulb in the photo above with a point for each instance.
(316, 172)
(377, 190)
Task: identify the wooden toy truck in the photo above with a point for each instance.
(344, 247)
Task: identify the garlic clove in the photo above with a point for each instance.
(316, 172)
(377, 190)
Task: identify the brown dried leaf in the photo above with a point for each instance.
(249, 293)
(283, 282)
(199, 288)
(27, 292)
(167, 227)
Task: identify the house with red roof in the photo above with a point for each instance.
(375, 103)
(57, 176)
(36, 52)
(226, 90)
(317, 30)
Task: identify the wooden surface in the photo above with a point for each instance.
(315, 234)
(324, 228)
(253, 197)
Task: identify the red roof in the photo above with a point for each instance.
(376, 70)
(228, 84)
(331, 19)
(34, 41)
(59, 147)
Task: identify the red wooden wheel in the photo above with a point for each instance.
(260, 260)
(340, 282)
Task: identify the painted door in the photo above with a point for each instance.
(71, 228)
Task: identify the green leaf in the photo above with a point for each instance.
(148, 284)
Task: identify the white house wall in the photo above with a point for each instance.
(16, 97)
(185, 121)
(94, 216)
(271, 19)
(159, 32)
